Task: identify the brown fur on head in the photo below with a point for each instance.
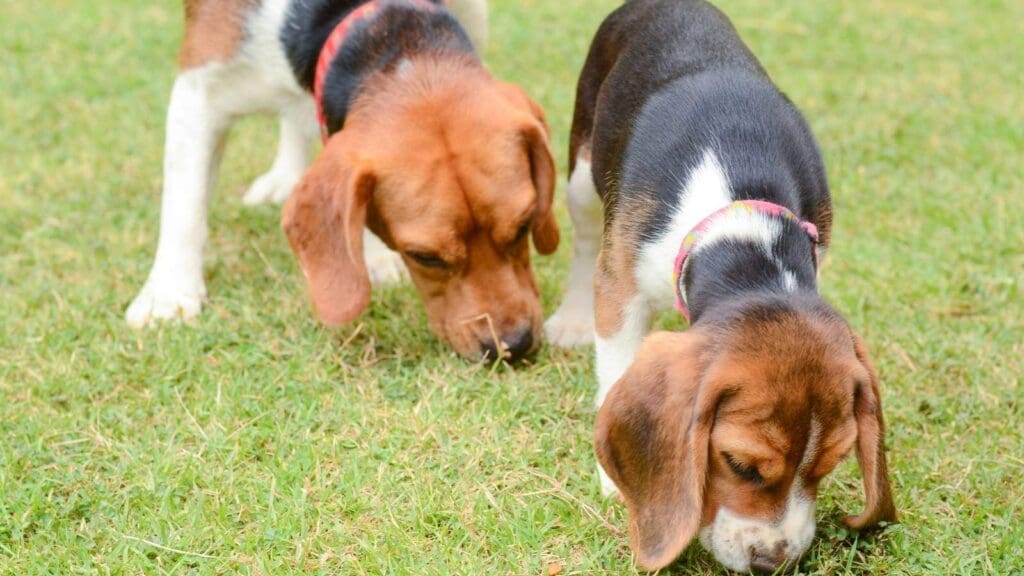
(727, 429)
(453, 170)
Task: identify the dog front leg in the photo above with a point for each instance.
(573, 323)
(384, 265)
(623, 318)
(616, 348)
(194, 144)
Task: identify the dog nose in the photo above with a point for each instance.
(520, 344)
(517, 345)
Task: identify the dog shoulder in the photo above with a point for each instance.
(214, 30)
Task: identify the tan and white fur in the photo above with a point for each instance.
(721, 433)
(232, 65)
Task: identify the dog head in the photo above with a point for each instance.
(453, 170)
(727, 429)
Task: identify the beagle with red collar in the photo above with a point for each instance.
(695, 181)
(449, 168)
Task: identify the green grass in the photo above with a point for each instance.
(256, 442)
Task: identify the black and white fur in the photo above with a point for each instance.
(370, 46)
(699, 127)
(271, 72)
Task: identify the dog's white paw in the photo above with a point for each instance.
(570, 326)
(166, 300)
(386, 267)
(274, 187)
(608, 488)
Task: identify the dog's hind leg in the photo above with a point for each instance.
(384, 265)
(472, 14)
(573, 323)
(194, 144)
(298, 130)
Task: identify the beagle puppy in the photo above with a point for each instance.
(449, 168)
(695, 181)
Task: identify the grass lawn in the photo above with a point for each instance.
(256, 442)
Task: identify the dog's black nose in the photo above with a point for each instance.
(516, 346)
(519, 344)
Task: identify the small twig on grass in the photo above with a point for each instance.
(69, 442)
(560, 491)
(98, 437)
(266, 262)
(904, 356)
(500, 347)
(352, 336)
(246, 424)
(490, 497)
(190, 416)
(175, 550)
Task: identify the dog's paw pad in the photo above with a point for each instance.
(568, 328)
(270, 188)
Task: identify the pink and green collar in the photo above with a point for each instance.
(692, 240)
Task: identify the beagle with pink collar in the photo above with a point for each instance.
(696, 182)
(431, 167)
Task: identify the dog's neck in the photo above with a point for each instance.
(376, 41)
(368, 50)
(748, 254)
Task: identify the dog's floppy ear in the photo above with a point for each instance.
(652, 439)
(536, 135)
(324, 221)
(542, 170)
(867, 409)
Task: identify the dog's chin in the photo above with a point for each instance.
(732, 538)
(734, 560)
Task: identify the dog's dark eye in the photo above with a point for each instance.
(428, 260)
(748, 473)
(522, 232)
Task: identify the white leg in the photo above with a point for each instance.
(573, 323)
(615, 355)
(472, 14)
(195, 140)
(298, 129)
(384, 265)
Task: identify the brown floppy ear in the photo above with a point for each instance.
(324, 221)
(652, 438)
(867, 409)
(542, 169)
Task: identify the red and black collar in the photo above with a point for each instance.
(333, 45)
